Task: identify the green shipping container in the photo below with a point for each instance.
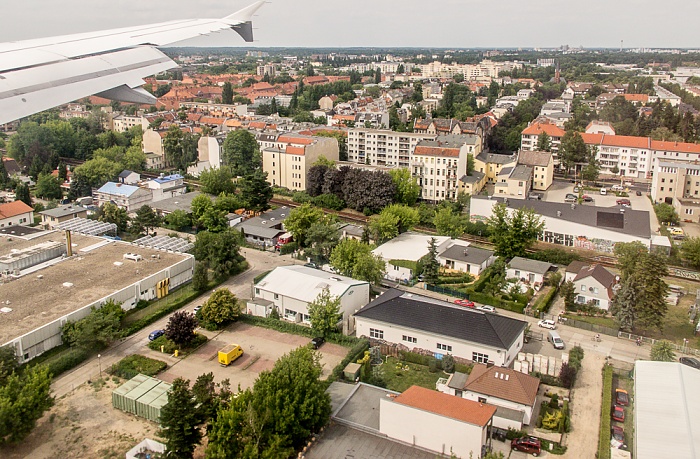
(143, 396)
(145, 404)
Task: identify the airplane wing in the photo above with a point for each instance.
(39, 74)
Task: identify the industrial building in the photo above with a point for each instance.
(49, 279)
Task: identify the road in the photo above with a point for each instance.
(259, 262)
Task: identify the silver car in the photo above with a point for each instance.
(547, 323)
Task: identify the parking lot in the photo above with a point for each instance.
(261, 349)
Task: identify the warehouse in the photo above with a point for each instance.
(50, 287)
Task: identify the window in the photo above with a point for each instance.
(444, 347)
(689, 211)
(583, 288)
(482, 400)
(396, 268)
(409, 339)
(257, 291)
(479, 357)
(277, 297)
(374, 333)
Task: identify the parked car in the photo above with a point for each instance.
(547, 323)
(196, 309)
(317, 342)
(570, 197)
(311, 265)
(603, 191)
(617, 188)
(622, 398)
(530, 445)
(676, 231)
(638, 193)
(155, 334)
(623, 202)
(486, 308)
(577, 189)
(586, 198)
(465, 303)
(618, 413)
(690, 361)
(617, 434)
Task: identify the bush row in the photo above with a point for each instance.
(356, 352)
(132, 365)
(295, 329)
(544, 302)
(497, 302)
(169, 347)
(604, 437)
(68, 360)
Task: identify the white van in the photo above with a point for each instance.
(603, 191)
(554, 338)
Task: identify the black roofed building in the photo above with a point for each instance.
(468, 259)
(427, 325)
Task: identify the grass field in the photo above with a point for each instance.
(399, 376)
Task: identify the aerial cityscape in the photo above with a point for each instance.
(371, 231)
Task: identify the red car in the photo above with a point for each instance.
(621, 397)
(618, 414)
(530, 445)
(465, 303)
(617, 433)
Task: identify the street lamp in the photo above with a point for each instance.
(99, 363)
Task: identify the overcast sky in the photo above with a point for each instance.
(384, 23)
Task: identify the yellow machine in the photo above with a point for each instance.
(229, 354)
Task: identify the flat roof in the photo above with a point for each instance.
(181, 202)
(37, 301)
(407, 246)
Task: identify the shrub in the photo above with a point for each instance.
(169, 347)
(67, 361)
(567, 375)
(355, 353)
(544, 302)
(432, 366)
(448, 364)
(554, 401)
(513, 434)
(130, 366)
(604, 437)
(329, 201)
(301, 197)
(289, 247)
(554, 256)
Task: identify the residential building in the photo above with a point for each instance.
(531, 272)
(124, 122)
(595, 284)
(678, 184)
(466, 259)
(402, 252)
(665, 95)
(478, 127)
(666, 405)
(264, 230)
(209, 154)
(290, 289)
(514, 181)
(383, 147)
(573, 225)
(600, 127)
(491, 164)
(513, 393)
(426, 325)
(16, 213)
(50, 218)
(439, 164)
(166, 186)
(153, 147)
(530, 137)
(127, 177)
(128, 197)
(436, 421)
(542, 165)
(288, 162)
(472, 183)
(181, 202)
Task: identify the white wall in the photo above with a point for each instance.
(511, 272)
(587, 283)
(429, 341)
(26, 218)
(429, 430)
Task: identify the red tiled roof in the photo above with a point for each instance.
(636, 97)
(446, 405)
(293, 150)
(295, 140)
(503, 383)
(425, 150)
(617, 140)
(257, 124)
(538, 128)
(12, 209)
(681, 147)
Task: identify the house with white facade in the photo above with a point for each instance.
(466, 259)
(127, 197)
(530, 271)
(128, 177)
(530, 137)
(16, 213)
(597, 284)
(438, 165)
(167, 186)
(513, 393)
(51, 218)
(419, 323)
(290, 289)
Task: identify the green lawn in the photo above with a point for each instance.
(398, 378)
(602, 321)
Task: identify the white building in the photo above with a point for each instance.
(531, 271)
(436, 421)
(512, 392)
(467, 259)
(166, 186)
(426, 324)
(402, 252)
(595, 283)
(127, 197)
(383, 147)
(290, 289)
(16, 213)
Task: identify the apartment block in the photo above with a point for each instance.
(531, 136)
(290, 157)
(379, 147)
(440, 164)
(678, 184)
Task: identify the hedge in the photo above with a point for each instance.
(169, 347)
(132, 365)
(544, 302)
(497, 302)
(68, 360)
(355, 353)
(295, 329)
(604, 437)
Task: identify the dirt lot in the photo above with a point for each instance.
(83, 424)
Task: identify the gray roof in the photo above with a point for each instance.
(473, 178)
(509, 413)
(450, 141)
(467, 254)
(418, 312)
(522, 173)
(458, 380)
(532, 266)
(506, 171)
(63, 211)
(535, 158)
(495, 158)
(180, 202)
(632, 222)
(125, 173)
(266, 225)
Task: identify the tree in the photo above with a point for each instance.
(180, 148)
(591, 170)
(690, 251)
(321, 238)
(4, 176)
(219, 251)
(662, 351)
(96, 331)
(624, 303)
(384, 226)
(544, 142)
(407, 217)
(567, 291)
(377, 76)
(179, 421)
(241, 152)
(345, 255)
(110, 213)
(96, 172)
(651, 307)
(512, 233)
(23, 400)
(324, 313)
(178, 220)
(22, 194)
(573, 150)
(227, 94)
(145, 220)
(447, 223)
(256, 191)
(369, 267)
(367, 190)
(48, 187)
(217, 180)
(8, 363)
(628, 254)
(222, 307)
(567, 375)
(315, 179)
(200, 278)
(301, 219)
(431, 266)
(665, 213)
(407, 188)
(180, 328)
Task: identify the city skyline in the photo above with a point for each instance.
(303, 23)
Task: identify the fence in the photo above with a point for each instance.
(590, 327)
(447, 291)
(683, 349)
